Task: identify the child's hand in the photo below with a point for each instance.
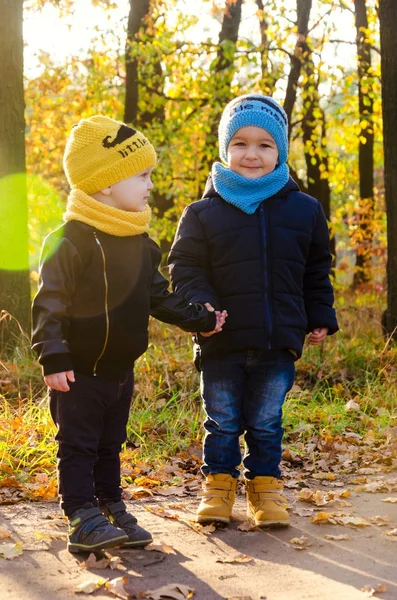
(220, 320)
(318, 336)
(59, 381)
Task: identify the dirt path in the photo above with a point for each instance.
(326, 570)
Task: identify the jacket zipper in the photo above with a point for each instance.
(268, 312)
(106, 304)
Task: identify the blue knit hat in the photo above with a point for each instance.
(254, 109)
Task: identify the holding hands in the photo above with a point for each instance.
(221, 317)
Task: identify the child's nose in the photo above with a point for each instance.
(150, 184)
(251, 152)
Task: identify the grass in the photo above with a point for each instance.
(358, 364)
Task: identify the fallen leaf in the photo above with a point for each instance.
(381, 521)
(324, 476)
(242, 558)
(377, 588)
(4, 534)
(303, 512)
(173, 591)
(10, 551)
(352, 405)
(392, 532)
(337, 538)
(392, 500)
(160, 548)
(247, 526)
(160, 512)
(146, 482)
(116, 587)
(323, 517)
(300, 543)
(87, 587)
(209, 528)
(352, 521)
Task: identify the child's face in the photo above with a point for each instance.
(131, 194)
(252, 152)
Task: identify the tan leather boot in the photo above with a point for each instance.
(265, 503)
(219, 492)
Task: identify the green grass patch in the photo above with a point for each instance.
(356, 365)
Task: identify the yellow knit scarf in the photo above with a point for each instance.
(84, 208)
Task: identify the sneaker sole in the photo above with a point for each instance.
(75, 548)
(138, 544)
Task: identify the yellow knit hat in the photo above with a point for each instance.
(101, 152)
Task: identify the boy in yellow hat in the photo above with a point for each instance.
(99, 282)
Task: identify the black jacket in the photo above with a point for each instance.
(269, 270)
(95, 295)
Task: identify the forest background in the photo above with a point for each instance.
(169, 67)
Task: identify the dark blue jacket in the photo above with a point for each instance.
(269, 270)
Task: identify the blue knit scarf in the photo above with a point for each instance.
(247, 194)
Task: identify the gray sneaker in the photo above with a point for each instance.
(117, 513)
(89, 530)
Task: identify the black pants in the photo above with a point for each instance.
(92, 420)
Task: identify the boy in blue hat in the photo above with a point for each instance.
(258, 247)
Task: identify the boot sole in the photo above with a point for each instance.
(211, 519)
(76, 548)
(259, 523)
(271, 523)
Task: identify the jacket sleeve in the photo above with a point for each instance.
(172, 308)
(189, 261)
(318, 291)
(59, 266)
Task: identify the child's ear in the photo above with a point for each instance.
(106, 191)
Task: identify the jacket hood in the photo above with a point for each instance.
(210, 192)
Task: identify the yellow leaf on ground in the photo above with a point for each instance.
(352, 521)
(324, 476)
(337, 538)
(323, 517)
(392, 500)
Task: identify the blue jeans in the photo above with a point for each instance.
(243, 393)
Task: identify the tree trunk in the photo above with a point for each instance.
(388, 44)
(266, 79)
(364, 232)
(14, 257)
(222, 70)
(314, 139)
(303, 8)
(138, 10)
